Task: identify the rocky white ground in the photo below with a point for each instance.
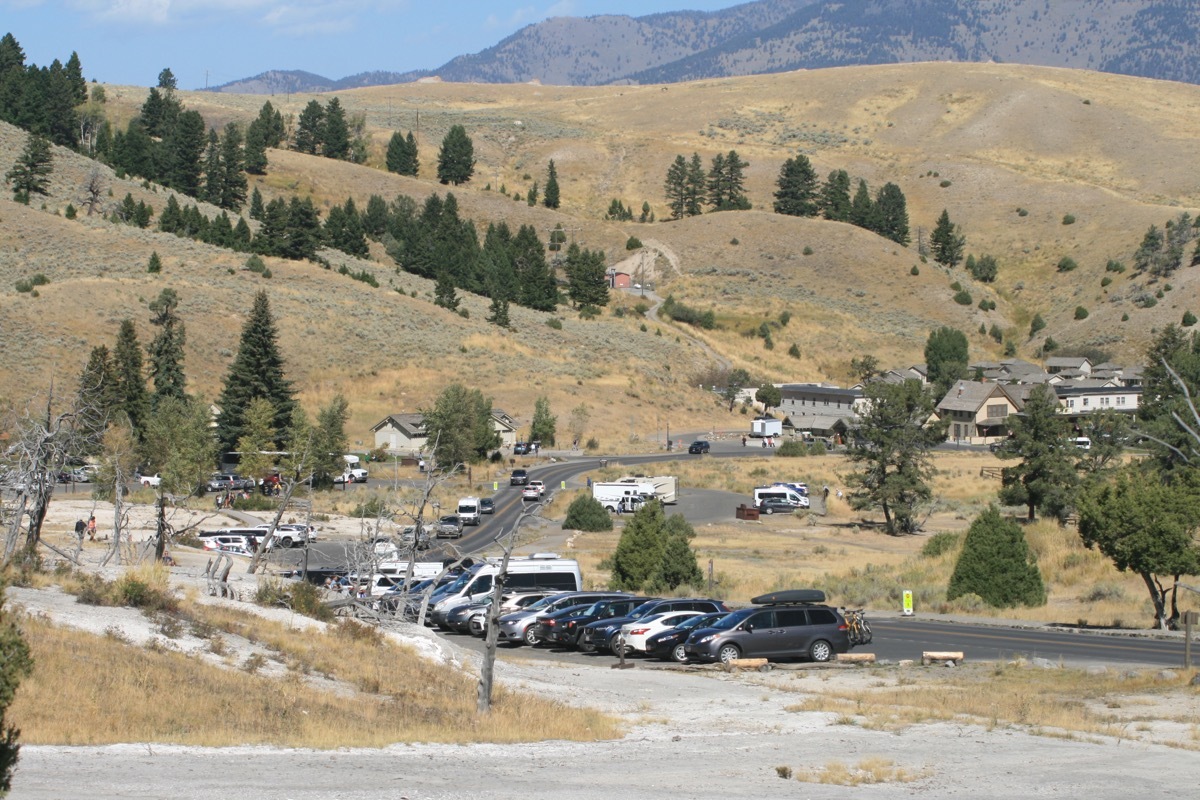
(690, 735)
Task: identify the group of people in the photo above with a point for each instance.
(767, 441)
(86, 528)
(226, 500)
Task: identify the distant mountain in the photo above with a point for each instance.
(1147, 38)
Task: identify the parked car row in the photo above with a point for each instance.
(783, 625)
(246, 541)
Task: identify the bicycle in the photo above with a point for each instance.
(856, 626)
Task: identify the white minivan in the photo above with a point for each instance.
(540, 571)
(780, 493)
(468, 510)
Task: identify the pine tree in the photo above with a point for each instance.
(256, 205)
(538, 289)
(946, 243)
(997, 564)
(375, 220)
(550, 197)
(166, 348)
(335, 135)
(183, 149)
(835, 196)
(862, 210)
(131, 395)
(214, 173)
(1046, 476)
(587, 282)
(97, 398)
(233, 186)
(303, 233)
(891, 214)
(30, 174)
(498, 311)
(456, 159)
(395, 159)
(797, 192)
(256, 149)
(444, 294)
(544, 425)
(257, 371)
(946, 358)
(74, 73)
(309, 134)
(258, 440)
(694, 206)
(411, 164)
(531, 197)
(675, 187)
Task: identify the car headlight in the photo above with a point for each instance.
(706, 639)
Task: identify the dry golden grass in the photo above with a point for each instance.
(865, 772)
(380, 693)
(1047, 701)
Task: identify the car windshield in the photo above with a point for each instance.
(732, 620)
(643, 609)
(702, 619)
(462, 581)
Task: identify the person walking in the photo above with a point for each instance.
(91, 528)
(80, 529)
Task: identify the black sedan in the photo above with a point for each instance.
(546, 627)
(567, 634)
(775, 505)
(668, 645)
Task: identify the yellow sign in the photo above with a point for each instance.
(908, 603)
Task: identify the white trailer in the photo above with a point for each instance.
(766, 426)
(622, 496)
(666, 487)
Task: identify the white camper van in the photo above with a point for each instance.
(763, 427)
(666, 487)
(468, 510)
(622, 496)
(529, 573)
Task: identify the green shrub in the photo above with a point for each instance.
(794, 351)
(71, 211)
(371, 508)
(944, 184)
(1066, 264)
(1049, 346)
(997, 564)
(155, 265)
(255, 264)
(1068, 219)
(808, 251)
(1081, 312)
(785, 318)
(963, 298)
(793, 448)
(554, 322)
(956, 286)
(734, 241)
(1022, 212)
(940, 543)
(1105, 281)
(633, 243)
(586, 514)
(589, 311)
(1189, 319)
(592, 444)
(915, 270)
(1036, 325)
(996, 334)
(1125, 317)
(24, 286)
(1114, 266)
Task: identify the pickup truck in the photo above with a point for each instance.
(154, 480)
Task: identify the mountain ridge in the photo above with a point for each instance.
(1144, 38)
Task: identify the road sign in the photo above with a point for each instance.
(907, 610)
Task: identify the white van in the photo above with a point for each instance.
(1083, 442)
(780, 493)
(468, 510)
(525, 574)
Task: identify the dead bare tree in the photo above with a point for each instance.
(487, 668)
(117, 470)
(41, 445)
(93, 190)
(299, 463)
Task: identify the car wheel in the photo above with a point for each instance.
(286, 543)
(679, 654)
(768, 510)
(821, 650)
(584, 647)
(530, 637)
(729, 652)
(614, 642)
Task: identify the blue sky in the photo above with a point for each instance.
(130, 41)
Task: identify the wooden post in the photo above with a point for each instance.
(1189, 622)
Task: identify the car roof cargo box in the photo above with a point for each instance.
(789, 596)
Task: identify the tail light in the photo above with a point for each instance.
(550, 623)
(638, 631)
(843, 627)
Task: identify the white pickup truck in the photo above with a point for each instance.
(154, 480)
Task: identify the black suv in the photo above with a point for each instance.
(698, 447)
(568, 633)
(519, 477)
(602, 634)
(793, 624)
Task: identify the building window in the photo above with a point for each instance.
(1103, 401)
(1071, 403)
(997, 410)
(1085, 402)
(1120, 401)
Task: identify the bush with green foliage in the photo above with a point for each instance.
(681, 313)
(1114, 266)
(1105, 281)
(794, 351)
(963, 297)
(633, 243)
(1066, 264)
(1022, 212)
(586, 514)
(1081, 312)
(555, 323)
(940, 543)
(793, 448)
(1189, 319)
(16, 664)
(1036, 325)
(997, 564)
(915, 270)
(1068, 219)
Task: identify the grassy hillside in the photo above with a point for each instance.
(1116, 153)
